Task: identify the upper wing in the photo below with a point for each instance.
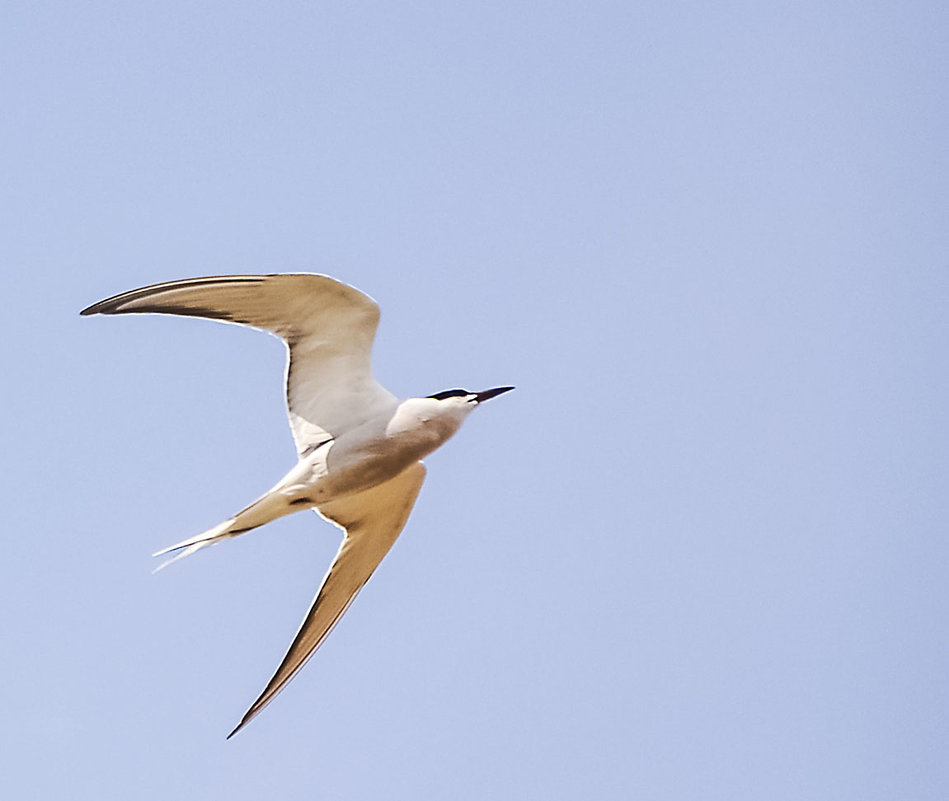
(328, 327)
(372, 520)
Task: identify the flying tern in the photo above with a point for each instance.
(359, 447)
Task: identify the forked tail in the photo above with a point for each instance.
(263, 510)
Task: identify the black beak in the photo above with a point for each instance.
(481, 397)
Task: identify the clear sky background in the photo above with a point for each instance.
(700, 553)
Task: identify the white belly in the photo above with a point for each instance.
(367, 456)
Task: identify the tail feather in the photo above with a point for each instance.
(186, 552)
(263, 510)
(196, 543)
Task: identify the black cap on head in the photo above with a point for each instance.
(450, 393)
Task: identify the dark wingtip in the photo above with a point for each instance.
(102, 307)
(244, 721)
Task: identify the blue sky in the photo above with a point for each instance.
(700, 552)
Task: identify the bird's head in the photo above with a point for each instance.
(465, 399)
(457, 404)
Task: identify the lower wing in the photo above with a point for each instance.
(372, 520)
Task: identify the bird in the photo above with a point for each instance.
(359, 447)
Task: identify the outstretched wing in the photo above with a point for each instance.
(372, 520)
(328, 328)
